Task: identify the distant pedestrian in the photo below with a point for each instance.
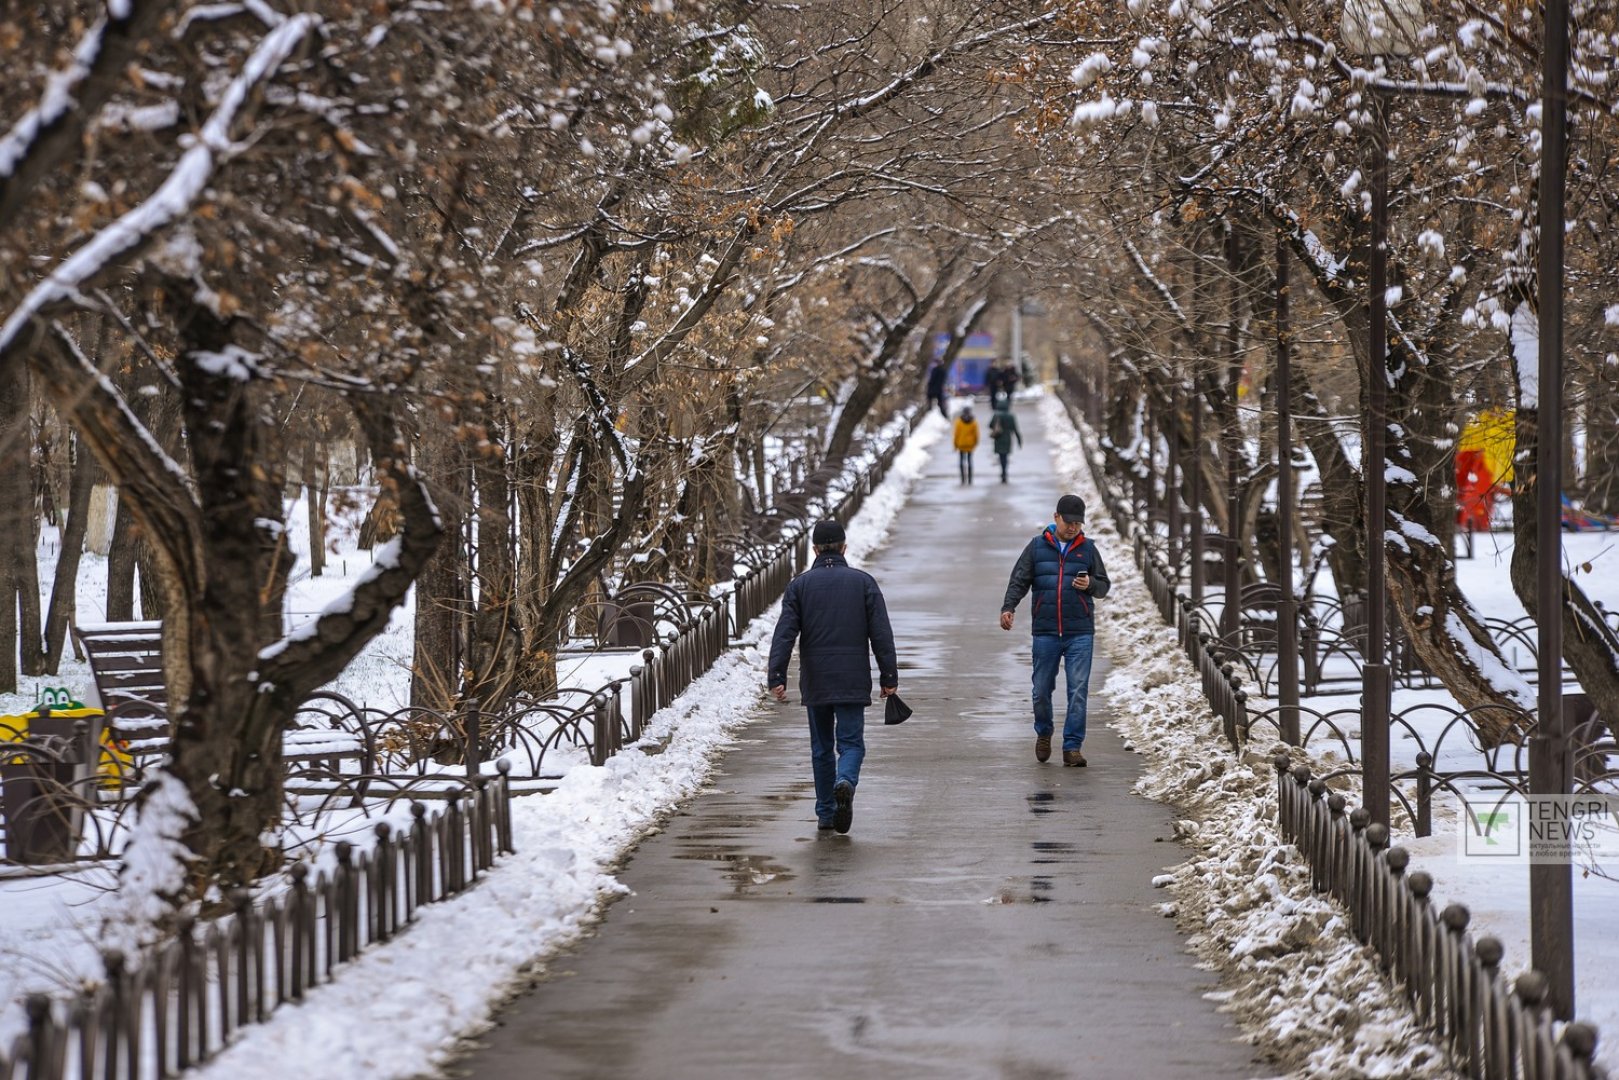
(1065, 570)
(1002, 430)
(936, 377)
(1001, 381)
(838, 616)
(966, 442)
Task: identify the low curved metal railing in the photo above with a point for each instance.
(184, 1000)
(1454, 984)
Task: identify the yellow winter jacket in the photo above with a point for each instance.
(966, 435)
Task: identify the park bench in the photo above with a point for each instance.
(126, 663)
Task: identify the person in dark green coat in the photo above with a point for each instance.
(1002, 430)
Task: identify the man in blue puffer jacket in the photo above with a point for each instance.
(838, 616)
(1065, 570)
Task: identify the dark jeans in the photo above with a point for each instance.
(837, 747)
(966, 466)
(1004, 459)
(938, 399)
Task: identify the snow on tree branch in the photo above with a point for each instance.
(34, 146)
(172, 199)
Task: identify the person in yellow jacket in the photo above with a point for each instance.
(966, 442)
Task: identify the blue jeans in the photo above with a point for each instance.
(837, 747)
(1074, 653)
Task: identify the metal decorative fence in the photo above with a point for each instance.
(1495, 1031)
(185, 998)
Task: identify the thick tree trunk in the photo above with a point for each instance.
(532, 455)
(868, 387)
(496, 648)
(441, 592)
(1590, 644)
(1602, 454)
(17, 511)
(121, 565)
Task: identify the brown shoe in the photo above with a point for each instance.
(1074, 757)
(1042, 747)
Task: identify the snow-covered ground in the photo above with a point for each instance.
(1295, 978)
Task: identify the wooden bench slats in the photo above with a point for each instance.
(126, 660)
(119, 662)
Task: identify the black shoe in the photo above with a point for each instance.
(823, 826)
(1042, 747)
(843, 816)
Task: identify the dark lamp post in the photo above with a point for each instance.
(1551, 884)
(1377, 28)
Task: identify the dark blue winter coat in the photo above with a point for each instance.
(1059, 608)
(837, 615)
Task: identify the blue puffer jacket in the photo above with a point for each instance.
(1059, 608)
(839, 614)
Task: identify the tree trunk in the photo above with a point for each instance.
(121, 565)
(441, 593)
(1589, 643)
(868, 388)
(532, 455)
(496, 649)
(17, 511)
(64, 590)
(315, 500)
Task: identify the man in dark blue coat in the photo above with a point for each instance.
(837, 615)
(1065, 570)
(936, 377)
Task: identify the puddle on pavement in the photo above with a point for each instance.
(1011, 894)
(1052, 845)
(1041, 803)
(837, 899)
(742, 870)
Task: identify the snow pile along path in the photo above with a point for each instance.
(1303, 989)
(401, 1008)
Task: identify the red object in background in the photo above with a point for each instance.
(1475, 491)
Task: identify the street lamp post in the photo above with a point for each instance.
(1375, 683)
(1287, 606)
(1376, 29)
(1551, 884)
(1194, 498)
(1172, 482)
(1231, 613)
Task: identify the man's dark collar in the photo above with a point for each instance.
(831, 558)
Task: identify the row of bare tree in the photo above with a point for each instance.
(574, 279)
(1198, 137)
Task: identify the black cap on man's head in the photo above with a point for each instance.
(826, 533)
(1071, 508)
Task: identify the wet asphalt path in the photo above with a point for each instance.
(987, 916)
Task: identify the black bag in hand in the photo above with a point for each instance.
(896, 711)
